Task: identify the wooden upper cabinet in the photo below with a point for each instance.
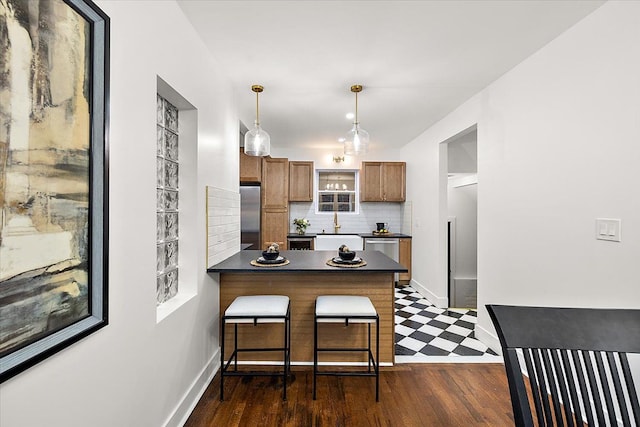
(371, 182)
(393, 181)
(383, 182)
(275, 183)
(300, 181)
(250, 168)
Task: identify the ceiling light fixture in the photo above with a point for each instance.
(257, 142)
(357, 139)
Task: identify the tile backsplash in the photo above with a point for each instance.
(395, 214)
(223, 224)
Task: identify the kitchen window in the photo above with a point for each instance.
(336, 191)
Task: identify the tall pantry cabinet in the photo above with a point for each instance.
(275, 202)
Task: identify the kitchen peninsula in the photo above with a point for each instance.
(305, 277)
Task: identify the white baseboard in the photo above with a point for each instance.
(488, 339)
(487, 358)
(440, 302)
(191, 397)
(294, 363)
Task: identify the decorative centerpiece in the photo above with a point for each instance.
(346, 259)
(270, 257)
(301, 225)
(345, 253)
(272, 252)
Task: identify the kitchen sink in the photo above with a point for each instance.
(328, 242)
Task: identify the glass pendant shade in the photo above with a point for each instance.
(356, 142)
(357, 139)
(257, 142)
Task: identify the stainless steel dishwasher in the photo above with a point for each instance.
(388, 246)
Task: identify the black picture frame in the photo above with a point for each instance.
(95, 252)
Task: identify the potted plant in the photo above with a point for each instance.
(301, 225)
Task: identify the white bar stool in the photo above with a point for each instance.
(347, 309)
(256, 309)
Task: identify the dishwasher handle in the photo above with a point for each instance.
(381, 241)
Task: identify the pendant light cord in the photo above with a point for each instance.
(257, 111)
(356, 122)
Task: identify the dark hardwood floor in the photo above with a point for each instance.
(438, 395)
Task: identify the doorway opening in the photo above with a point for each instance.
(462, 225)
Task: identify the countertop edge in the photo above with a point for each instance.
(302, 262)
(363, 235)
(301, 270)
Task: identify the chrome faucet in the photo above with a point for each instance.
(336, 226)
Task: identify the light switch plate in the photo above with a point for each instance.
(608, 229)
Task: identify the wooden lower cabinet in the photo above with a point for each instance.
(275, 227)
(404, 258)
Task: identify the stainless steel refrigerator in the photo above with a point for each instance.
(250, 216)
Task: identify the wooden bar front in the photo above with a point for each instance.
(302, 288)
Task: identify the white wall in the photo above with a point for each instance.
(136, 371)
(323, 157)
(557, 147)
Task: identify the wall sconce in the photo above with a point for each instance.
(338, 159)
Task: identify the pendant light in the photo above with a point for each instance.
(257, 142)
(357, 139)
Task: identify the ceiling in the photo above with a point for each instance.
(417, 60)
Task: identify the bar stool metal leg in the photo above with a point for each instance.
(376, 365)
(347, 309)
(252, 309)
(222, 328)
(315, 354)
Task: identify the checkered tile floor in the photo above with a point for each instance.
(423, 330)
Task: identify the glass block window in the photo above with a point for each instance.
(167, 200)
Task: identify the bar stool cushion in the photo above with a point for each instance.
(256, 307)
(344, 305)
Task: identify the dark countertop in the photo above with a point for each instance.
(384, 236)
(364, 235)
(307, 262)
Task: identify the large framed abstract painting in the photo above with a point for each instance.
(53, 177)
